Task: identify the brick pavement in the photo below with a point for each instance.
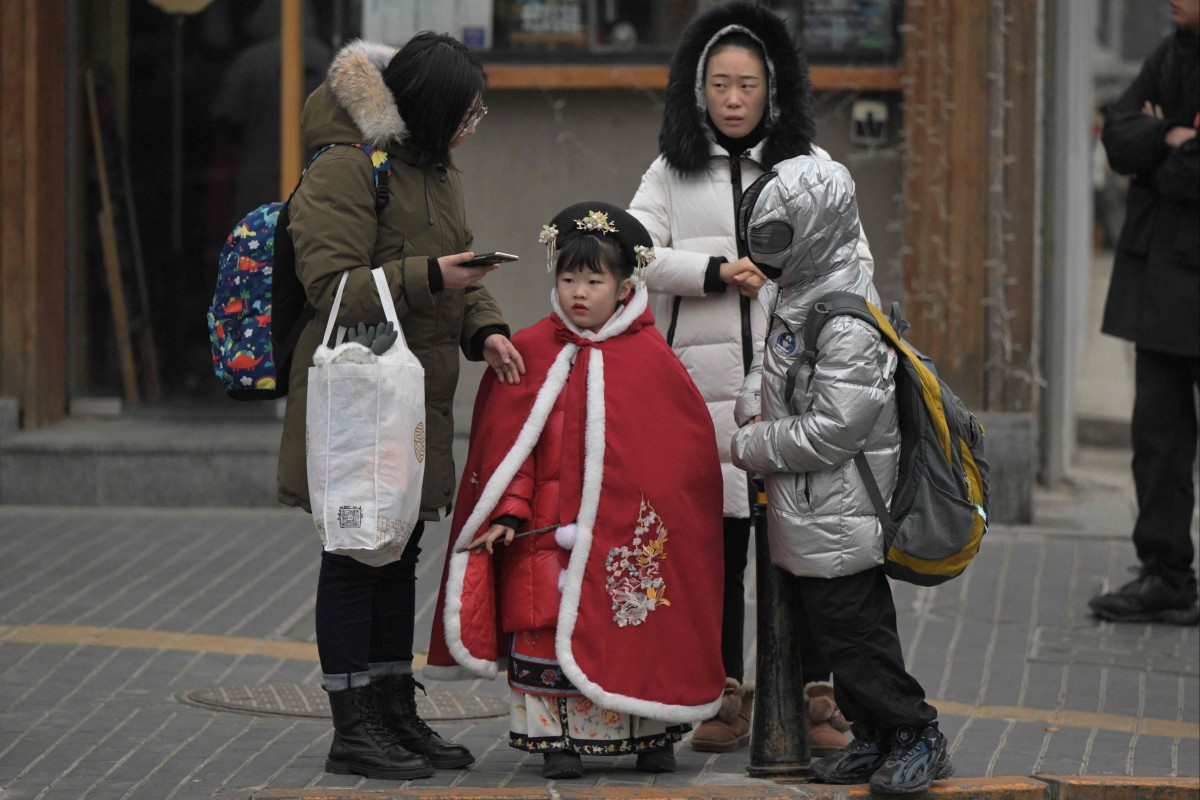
(108, 617)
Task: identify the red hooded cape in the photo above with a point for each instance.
(635, 428)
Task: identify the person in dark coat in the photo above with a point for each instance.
(1154, 301)
(418, 103)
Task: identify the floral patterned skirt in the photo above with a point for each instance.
(547, 714)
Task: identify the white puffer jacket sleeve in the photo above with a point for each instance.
(675, 272)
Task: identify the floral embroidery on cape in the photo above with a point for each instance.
(633, 581)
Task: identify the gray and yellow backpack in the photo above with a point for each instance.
(938, 512)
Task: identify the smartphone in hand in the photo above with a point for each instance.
(488, 259)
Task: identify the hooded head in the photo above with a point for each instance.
(799, 224)
(789, 124)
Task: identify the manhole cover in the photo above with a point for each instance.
(305, 700)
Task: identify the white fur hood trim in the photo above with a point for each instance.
(356, 81)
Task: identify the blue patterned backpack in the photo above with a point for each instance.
(259, 307)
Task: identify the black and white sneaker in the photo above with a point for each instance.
(914, 763)
(854, 763)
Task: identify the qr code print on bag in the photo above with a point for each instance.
(350, 517)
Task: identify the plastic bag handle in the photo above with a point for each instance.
(389, 307)
(337, 302)
(385, 298)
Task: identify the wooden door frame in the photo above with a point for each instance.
(33, 192)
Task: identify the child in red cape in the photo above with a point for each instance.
(599, 474)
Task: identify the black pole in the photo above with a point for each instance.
(778, 744)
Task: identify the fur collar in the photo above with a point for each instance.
(685, 140)
(356, 81)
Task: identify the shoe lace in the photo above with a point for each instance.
(406, 695)
(372, 719)
(904, 753)
(858, 746)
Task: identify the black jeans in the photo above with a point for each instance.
(853, 621)
(1164, 449)
(733, 618)
(365, 614)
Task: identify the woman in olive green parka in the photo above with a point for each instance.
(418, 104)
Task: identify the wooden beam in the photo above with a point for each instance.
(291, 93)
(970, 131)
(1013, 342)
(967, 196)
(654, 77)
(32, 193)
(12, 177)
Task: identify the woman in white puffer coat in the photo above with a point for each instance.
(738, 102)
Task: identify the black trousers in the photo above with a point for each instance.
(733, 618)
(1164, 450)
(853, 621)
(365, 614)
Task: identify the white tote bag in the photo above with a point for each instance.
(365, 441)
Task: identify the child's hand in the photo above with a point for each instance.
(744, 275)
(493, 535)
(749, 283)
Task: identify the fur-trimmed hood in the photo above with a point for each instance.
(354, 104)
(686, 139)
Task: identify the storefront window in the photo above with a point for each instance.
(582, 31)
(191, 100)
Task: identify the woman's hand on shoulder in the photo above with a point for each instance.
(503, 358)
(456, 276)
(493, 534)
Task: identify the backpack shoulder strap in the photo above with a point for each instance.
(827, 307)
(381, 167)
(832, 305)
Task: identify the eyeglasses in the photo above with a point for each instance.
(472, 121)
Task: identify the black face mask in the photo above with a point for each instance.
(771, 272)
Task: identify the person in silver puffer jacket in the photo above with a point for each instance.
(803, 418)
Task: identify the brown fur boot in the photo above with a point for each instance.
(730, 728)
(825, 724)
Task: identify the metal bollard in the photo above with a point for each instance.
(778, 742)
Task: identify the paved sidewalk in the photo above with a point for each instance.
(110, 619)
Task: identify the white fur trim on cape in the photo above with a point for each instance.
(356, 81)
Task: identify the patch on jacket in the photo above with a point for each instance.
(784, 343)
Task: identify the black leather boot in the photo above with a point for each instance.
(362, 744)
(398, 701)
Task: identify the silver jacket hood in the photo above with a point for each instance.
(803, 220)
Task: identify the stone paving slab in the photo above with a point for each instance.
(109, 616)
